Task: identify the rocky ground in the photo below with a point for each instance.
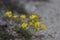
(50, 12)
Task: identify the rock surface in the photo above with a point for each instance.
(50, 12)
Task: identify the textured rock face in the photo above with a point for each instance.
(50, 12)
(16, 5)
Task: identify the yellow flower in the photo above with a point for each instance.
(23, 16)
(30, 23)
(24, 25)
(37, 24)
(9, 14)
(37, 29)
(33, 17)
(15, 17)
(43, 27)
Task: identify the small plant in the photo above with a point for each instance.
(27, 25)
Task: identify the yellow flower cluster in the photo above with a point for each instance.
(37, 26)
(24, 25)
(9, 14)
(23, 16)
(15, 17)
(32, 17)
(32, 21)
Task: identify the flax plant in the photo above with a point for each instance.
(28, 28)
